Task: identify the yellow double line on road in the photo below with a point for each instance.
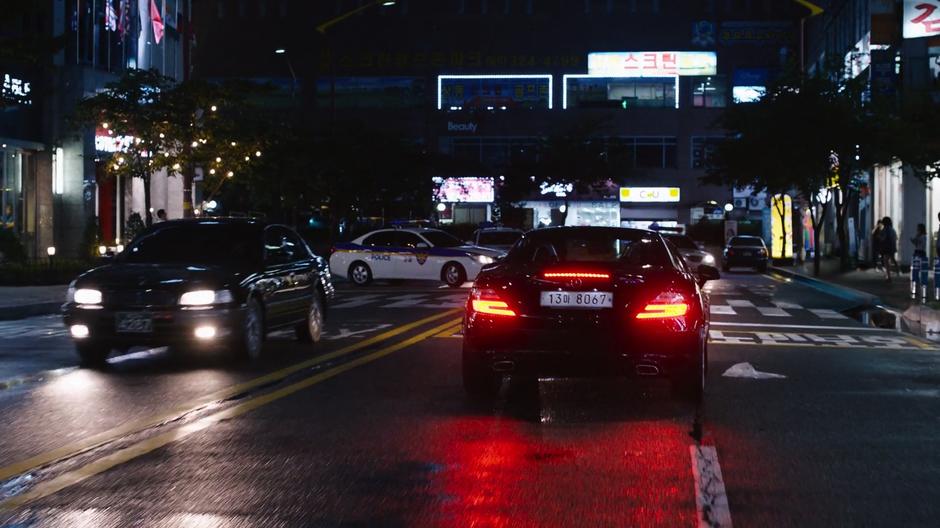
(146, 446)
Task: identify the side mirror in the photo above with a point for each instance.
(707, 273)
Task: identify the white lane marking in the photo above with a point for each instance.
(745, 337)
(825, 313)
(405, 301)
(811, 327)
(743, 303)
(746, 370)
(345, 332)
(720, 309)
(770, 311)
(361, 300)
(711, 500)
(785, 305)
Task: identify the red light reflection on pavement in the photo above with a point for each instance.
(499, 472)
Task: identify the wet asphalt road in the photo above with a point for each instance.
(372, 428)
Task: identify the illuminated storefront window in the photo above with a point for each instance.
(589, 91)
(710, 92)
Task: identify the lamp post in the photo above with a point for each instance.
(322, 29)
(290, 67)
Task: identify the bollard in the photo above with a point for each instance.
(915, 276)
(936, 278)
(924, 279)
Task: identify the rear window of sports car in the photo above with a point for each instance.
(625, 247)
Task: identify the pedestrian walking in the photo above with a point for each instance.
(877, 241)
(889, 247)
(161, 216)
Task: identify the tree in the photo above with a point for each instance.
(177, 128)
(214, 127)
(131, 110)
(574, 162)
(814, 135)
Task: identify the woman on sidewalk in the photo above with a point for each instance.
(889, 247)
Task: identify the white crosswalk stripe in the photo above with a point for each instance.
(827, 314)
(772, 311)
(719, 309)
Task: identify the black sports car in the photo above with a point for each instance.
(588, 301)
(202, 283)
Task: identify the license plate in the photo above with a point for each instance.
(590, 300)
(134, 322)
(747, 253)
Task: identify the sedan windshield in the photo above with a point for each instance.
(200, 244)
(442, 239)
(623, 246)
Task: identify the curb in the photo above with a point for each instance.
(22, 311)
(32, 378)
(863, 299)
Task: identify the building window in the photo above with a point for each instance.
(703, 150)
(620, 92)
(710, 92)
(642, 152)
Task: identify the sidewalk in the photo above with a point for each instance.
(18, 302)
(866, 286)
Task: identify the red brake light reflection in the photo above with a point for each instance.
(575, 275)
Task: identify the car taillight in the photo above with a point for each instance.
(488, 302)
(762, 252)
(667, 305)
(730, 252)
(575, 275)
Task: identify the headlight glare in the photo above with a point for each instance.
(87, 296)
(205, 297)
(483, 259)
(708, 259)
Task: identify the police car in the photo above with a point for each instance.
(417, 253)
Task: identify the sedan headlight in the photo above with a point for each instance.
(205, 297)
(483, 259)
(708, 259)
(86, 296)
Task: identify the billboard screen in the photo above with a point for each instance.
(494, 92)
(921, 18)
(653, 63)
(464, 190)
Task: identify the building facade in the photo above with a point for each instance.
(483, 81)
(53, 193)
(897, 52)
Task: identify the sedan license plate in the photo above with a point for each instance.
(134, 322)
(747, 253)
(589, 300)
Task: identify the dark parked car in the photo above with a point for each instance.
(588, 301)
(745, 251)
(200, 284)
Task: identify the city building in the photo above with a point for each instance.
(653, 74)
(895, 47)
(52, 192)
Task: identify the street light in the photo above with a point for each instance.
(290, 67)
(729, 207)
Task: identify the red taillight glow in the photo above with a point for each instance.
(484, 306)
(668, 305)
(489, 302)
(575, 275)
(663, 311)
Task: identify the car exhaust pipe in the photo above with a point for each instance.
(647, 370)
(503, 366)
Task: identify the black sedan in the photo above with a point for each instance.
(745, 251)
(200, 284)
(588, 301)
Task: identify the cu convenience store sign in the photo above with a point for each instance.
(921, 18)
